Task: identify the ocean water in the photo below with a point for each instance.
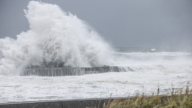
(60, 38)
(150, 70)
(143, 59)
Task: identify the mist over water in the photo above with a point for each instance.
(55, 38)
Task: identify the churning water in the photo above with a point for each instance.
(59, 43)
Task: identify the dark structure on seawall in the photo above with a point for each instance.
(71, 71)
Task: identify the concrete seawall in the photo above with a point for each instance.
(72, 71)
(90, 103)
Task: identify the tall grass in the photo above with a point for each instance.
(176, 99)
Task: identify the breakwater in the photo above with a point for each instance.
(69, 71)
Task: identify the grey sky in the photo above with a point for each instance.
(123, 23)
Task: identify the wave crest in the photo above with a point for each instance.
(55, 39)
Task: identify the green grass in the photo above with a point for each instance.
(176, 99)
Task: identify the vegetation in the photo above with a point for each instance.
(176, 99)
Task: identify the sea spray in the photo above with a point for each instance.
(55, 38)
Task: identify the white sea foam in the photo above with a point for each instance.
(55, 38)
(152, 54)
(105, 85)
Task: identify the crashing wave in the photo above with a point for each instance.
(55, 39)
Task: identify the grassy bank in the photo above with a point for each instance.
(176, 99)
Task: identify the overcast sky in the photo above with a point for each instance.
(123, 23)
